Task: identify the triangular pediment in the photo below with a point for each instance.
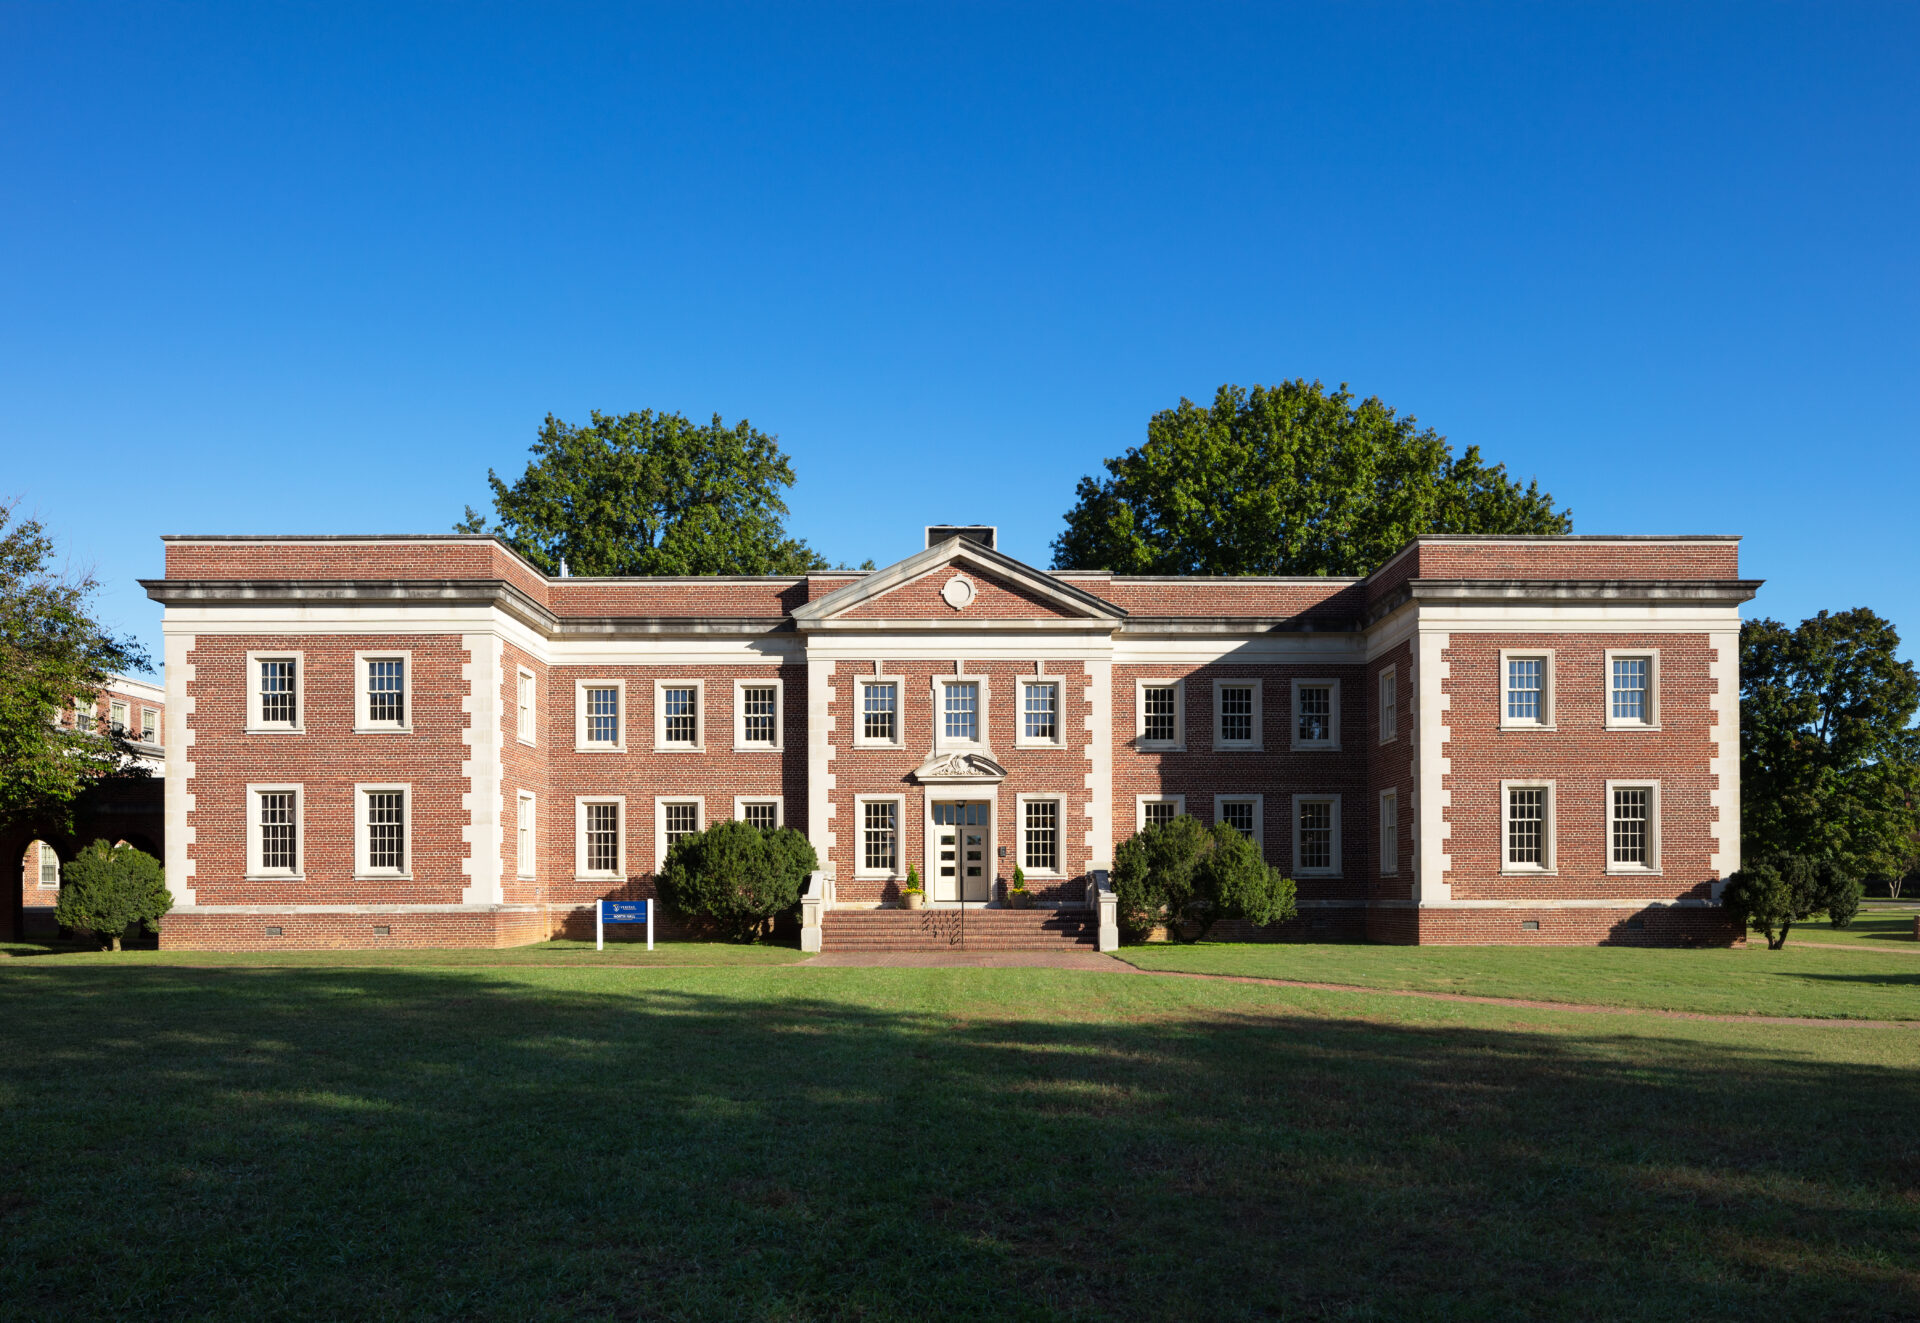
(959, 582)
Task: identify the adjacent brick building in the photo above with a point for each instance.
(424, 740)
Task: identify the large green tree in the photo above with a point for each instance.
(1288, 479)
(52, 651)
(650, 493)
(1827, 765)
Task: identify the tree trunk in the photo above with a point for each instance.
(1772, 945)
(116, 943)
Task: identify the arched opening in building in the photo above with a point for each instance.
(40, 866)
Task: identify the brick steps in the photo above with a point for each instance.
(944, 930)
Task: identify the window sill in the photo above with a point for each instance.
(383, 730)
(276, 730)
(1039, 744)
(275, 877)
(879, 744)
(679, 748)
(1529, 872)
(1631, 725)
(526, 877)
(599, 748)
(383, 877)
(1043, 874)
(1223, 746)
(1315, 747)
(1628, 870)
(864, 875)
(751, 748)
(1320, 875)
(1527, 725)
(522, 739)
(1143, 746)
(599, 877)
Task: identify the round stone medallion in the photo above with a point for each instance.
(958, 592)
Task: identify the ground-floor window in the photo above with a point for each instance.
(273, 830)
(603, 838)
(761, 813)
(1526, 811)
(1040, 849)
(1389, 833)
(1316, 834)
(1158, 810)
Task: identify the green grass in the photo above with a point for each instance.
(1883, 926)
(421, 1142)
(1804, 979)
(559, 954)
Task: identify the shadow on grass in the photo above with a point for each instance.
(461, 1144)
(1885, 980)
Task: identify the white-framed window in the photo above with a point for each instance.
(1236, 715)
(1316, 835)
(679, 715)
(1041, 723)
(1042, 823)
(879, 722)
(118, 716)
(49, 867)
(86, 716)
(600, 716)
(523, 706)
(525, 842)
(1154, 810)
(149, 726)
(1633, 689)
(960, 711)
(675, 816)
(383, 683)
(382, 830)
(1389, 705)
(1633, 826)
(1316, 714)
(1160, 711)
(1526, 690)
(880, 820)
(275, 831)
(757, 714)
(1527, 827)
(276, 691)
(600, 837)
(1243, 813)
(766, 812)
(1389, 833)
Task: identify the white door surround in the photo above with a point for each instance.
(960, 850)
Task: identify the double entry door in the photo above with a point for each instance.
(962, 864)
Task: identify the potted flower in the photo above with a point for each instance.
(911, 893)
(1018, 897)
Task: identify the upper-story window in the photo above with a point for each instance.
(1236, 714)
(85, 715)
(49, 866)
(1160, 715)
(275, 691)
(1316, 714)
(600, 721)
(680, 715)
(523, 836)
(149, 726)
(523, 706)
(1040, 711)
(117, 716)
(1526, 689)
(879, 714)
(1632, 690)
(960, 710)
(1389, 705)
(757, 715)
(383, 691)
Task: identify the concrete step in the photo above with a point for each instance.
(940, 930)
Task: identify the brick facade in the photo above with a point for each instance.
(469, 619)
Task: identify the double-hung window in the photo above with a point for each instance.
(674, 818)
(1316, 835)
(600, 722)
(880, 836)
(149, 726)
(1527, 826)
(877, 714)
(117, 714)
(523, 836)
(1633, 827)
(1159, 810)
(1316, 714)
(86, 716)
(756, 715)
(383, 691)
(381, 831)
(1040, 835)
(600, 843)
(677, 725)
(1389, 833)
(1632, 690)
(274, 814)
(1526, 690)
(49, 867)
(1159, 709)
(1236, 714)
(1389, 705)
(523, 706)
(960, 711)
(761, 813)
(1039, 712)
(1240, 812)
(275, 689)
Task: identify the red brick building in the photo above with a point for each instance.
(424, 740)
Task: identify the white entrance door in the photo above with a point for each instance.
(962, 854)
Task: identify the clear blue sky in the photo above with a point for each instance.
(277, 268)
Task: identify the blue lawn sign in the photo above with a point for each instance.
(621, 911)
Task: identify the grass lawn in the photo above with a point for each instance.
(422, 1141)
(562, 954)
(1803, 978)
(1882, 925)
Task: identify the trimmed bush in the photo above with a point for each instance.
(105, 891)
(737, 875)
(1181, 874)
(1779, 890)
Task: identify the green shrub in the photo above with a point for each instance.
(105, 891)
(1019, 879)
(737, 875)
(1182, 874)
(1779, 890)
(913, 881)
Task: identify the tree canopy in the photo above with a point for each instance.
(105, 891)
(736, 874)
(1827, 765)
(650, 493)
(1288, 479)
(52, 651)
(1185, 875)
